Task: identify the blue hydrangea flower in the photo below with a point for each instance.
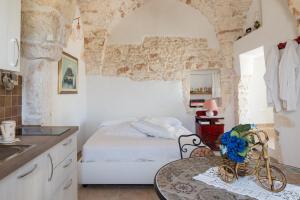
(241, 145)
(225, 138)
(232, 155)
(233, 145)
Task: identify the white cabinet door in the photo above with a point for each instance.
(10, 31)
(7, 189)
(68, 190)
(31, 180)
(71, 187)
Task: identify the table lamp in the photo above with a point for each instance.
(211, 106)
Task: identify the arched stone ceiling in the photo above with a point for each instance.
(99, 16)
(106, 13)
(162, 19)
(103, 14)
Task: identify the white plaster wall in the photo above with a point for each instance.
(111, 98)
(278, 25)
(163, 18)
(254, 13)
(259, 111)
(70, 109)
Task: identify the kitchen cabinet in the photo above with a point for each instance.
(63, 164)
(7, 190)
(10, 34)
(30, 180)
(50, 176)
(68, 190)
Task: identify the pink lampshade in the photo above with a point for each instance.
(211, 105)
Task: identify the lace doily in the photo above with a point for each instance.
(248, 186)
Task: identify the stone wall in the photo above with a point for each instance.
(166, 58)
(99, 17)
(160, 58)
(228, 17)
(46, 26)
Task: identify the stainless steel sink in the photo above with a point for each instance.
(9, 151)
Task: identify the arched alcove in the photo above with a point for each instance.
(163, 18)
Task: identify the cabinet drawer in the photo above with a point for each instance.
(59, 152)
(63, 171)
(68, 189)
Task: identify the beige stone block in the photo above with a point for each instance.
(47, 51)
(140, 67)
(65, 7)
(95, 40)
(37, 25)
(233, 23)
(123, 71)
(156, 67)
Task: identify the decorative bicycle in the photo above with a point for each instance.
(257, 163)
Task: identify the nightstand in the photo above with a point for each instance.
(209, 130)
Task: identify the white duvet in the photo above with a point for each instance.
(121, 142)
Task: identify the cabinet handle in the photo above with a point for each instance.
(69, 185)
(51, 161)
(27, 173)
(68, 164)
(67, 143)
(16, 44)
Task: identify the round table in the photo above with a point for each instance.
(174, 181)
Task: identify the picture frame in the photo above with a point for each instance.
(68, 74)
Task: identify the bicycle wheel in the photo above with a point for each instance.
(227, 173)
(278, 179)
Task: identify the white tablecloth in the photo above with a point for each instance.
(248, 186)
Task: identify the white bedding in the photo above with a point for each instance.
(121, 142)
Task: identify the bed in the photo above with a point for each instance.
(119, 153)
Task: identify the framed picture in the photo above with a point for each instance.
(68, 74)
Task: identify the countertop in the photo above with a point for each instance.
(41, 145)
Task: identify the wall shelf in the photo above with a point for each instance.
(201, 93)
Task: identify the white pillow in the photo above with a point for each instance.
(164, 121)
(121, 129)
(116, 122)
(154, 130)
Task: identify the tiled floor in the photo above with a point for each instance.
(112, 192)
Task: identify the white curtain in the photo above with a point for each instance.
(216, 85)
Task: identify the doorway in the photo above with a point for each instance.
(252, 96)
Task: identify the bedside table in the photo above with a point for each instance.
(209, 130)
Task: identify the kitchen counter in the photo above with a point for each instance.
(41, 145)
